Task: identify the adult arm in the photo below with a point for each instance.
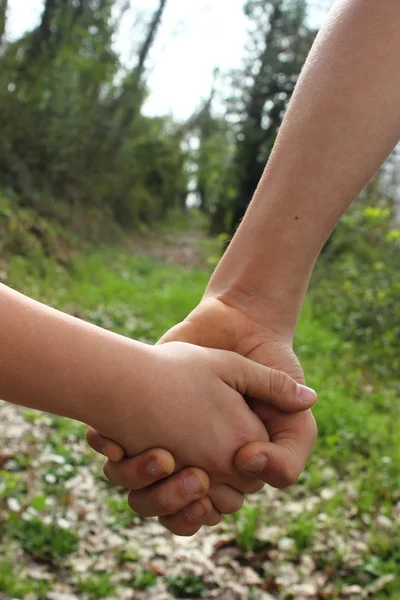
(342, 122)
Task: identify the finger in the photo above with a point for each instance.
(270, 385)
(172, 495)
(225, 499)
(189, 520)
(103, 445)
(140, 471)
(242, 482)
(284, 456)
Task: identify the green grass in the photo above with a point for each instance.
(46, 543)
(97, 586)
(358, 445)
(17, 586)
(129, 295)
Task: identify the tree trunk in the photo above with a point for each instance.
(132, 88)
(3, 18)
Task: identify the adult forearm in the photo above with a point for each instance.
(342, 122)
(54, 362)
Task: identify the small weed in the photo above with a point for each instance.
(32, 416)
(14, 585)
(302, 530)
(44, 542)
(246, 527)
(187, 586)
(11, 485)
(144, 579)
(127, 555)
(122, 516)
(97, 586)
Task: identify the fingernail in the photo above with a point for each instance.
(154, 469)
(256, 464)
(195, 511)
(191, 485)
(306, 394)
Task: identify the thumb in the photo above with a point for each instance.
(266, 384)
(104, 445)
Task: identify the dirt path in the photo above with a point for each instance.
(185, 249)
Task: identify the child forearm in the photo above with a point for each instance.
(57, 363)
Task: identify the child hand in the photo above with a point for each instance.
(203, 418)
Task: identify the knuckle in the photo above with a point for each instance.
(233, 506)
(223, 466)
(129, 476)
(289, 476)
(278, 382)
(250, 432)
(254, 487)
(178, 526)
(213, 519)
(161, 501)
(134, 505)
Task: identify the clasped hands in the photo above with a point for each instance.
(206, 472)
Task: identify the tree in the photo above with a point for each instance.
(71, 128)
(132, 89)
(279, 44)
(212, 156)
(3, 18)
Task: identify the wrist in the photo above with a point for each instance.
(267, 267)
(120, 365)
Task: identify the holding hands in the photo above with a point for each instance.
(286, 430)
(186, 399)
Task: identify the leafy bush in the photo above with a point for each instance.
(357, 288)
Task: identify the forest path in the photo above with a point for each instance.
(187, 249)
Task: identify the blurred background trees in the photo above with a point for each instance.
(72, 130)
(76, 146)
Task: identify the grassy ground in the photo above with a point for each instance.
(64, 530)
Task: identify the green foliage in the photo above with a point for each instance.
(97, 586)
(355, 289)
(144, 579)
(246, 526)
(24, 232)
(279, 42)
(11, 485)
(16, 586)
(72, 126)
(302, 530)
(43, 542)
(122, 516)
(187, 586)
(127, 555)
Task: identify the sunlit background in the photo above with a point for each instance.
(195, 38)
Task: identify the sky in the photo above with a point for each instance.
(195, 37)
